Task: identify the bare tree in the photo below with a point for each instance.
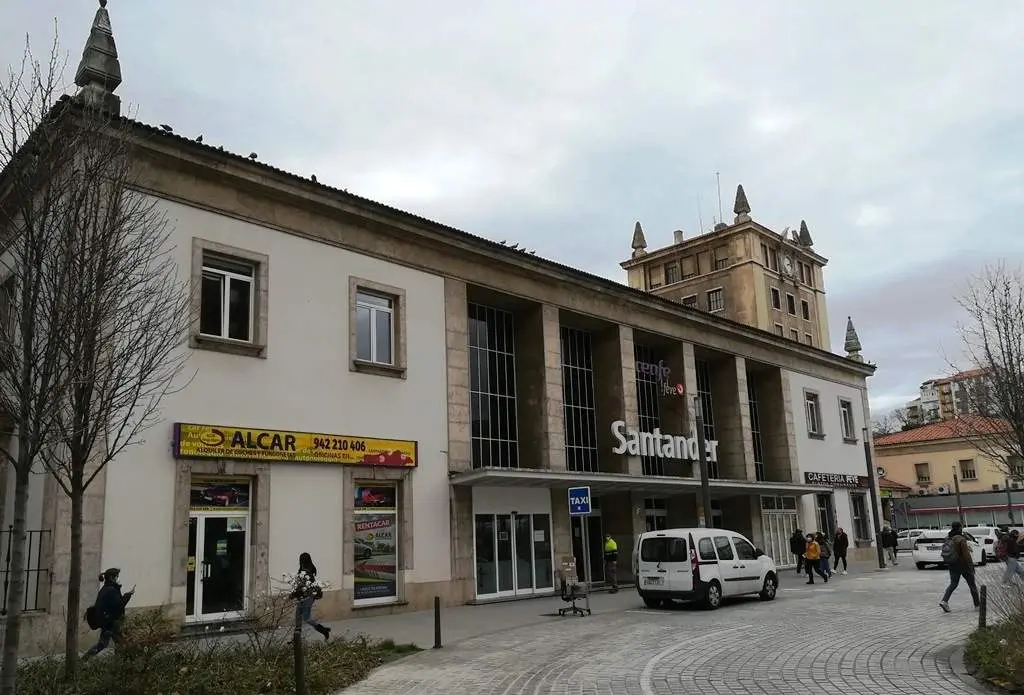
(993, 339)
(122, 315)
(35, 173)
(895, 420)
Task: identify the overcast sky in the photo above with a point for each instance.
(894, 129)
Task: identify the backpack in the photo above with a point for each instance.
(91, 619)
(949, 554)
(1003, 547)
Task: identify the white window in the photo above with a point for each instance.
(227, 296)
(967, 469)
(846, 418)
(716, 300)
(923, 473)
(689, 300)
(375, 328)
(776, 298)
(812, 411)
(859, 507)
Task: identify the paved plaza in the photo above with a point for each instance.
(865, 633)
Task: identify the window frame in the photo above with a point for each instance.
(860, 517)
(809, 339)
(794, 335)
(775, 298)
(917, 473)
(693, 304)
(674, 267)
(707, 296)
(398, 367)
(805, 309)
(846, 410)
(973, 466)
(813, 398)
(259, 304)
(790, 304)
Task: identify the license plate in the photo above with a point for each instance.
(654, 581)
(934, 547)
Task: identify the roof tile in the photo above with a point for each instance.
(955, 428)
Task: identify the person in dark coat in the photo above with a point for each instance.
(307, 591)
(109, 609)
(840, 544)
(797, 546)
(961, 567)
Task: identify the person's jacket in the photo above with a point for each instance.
(305, 585)
(110, 604)
(825, 550)
(797, 543)
(611, 550)
(812, 551)
(889, 539)
(841, 543)
(964, 561)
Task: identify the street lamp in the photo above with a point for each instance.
(875, 516)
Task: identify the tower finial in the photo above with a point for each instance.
(852, 345)
(99, 72)
(639, 242)
(805, 235)
(741, 207)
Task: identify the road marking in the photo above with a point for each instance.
(645, 677)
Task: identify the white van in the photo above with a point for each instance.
(701, 564)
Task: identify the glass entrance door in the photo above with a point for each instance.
(513, 554)
(217, 567)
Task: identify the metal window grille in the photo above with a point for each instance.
(647, 397)
(755, 431)
(492, 388)
(707, 410)
(37, 574)
(578, 398)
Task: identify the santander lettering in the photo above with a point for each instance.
(636, 443)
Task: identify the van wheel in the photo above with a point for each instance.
(770, 588)
(713, 595)
(920, 565)
(652, 602)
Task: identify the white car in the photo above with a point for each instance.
(701, 564)
(928, 549)
(988, 536)
(905, 539)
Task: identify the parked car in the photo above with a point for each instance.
(905, 539)
(701, 564)
(987, 536)
(928, 549)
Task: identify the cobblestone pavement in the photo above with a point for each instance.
(878, 633)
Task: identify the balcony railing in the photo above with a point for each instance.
(36, 572)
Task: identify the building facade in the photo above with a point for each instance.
(410, 404)
(946, 398)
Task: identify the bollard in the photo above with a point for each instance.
(982, 606)
(437, 622)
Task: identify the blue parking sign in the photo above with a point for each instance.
(579, 501)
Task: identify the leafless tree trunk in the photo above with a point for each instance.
(993, 338)
(34, 169)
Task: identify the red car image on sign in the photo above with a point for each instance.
(394, 458)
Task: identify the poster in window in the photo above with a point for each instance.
(375, 497)
(375, 556)
(219, 493)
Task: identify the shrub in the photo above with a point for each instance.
(996, 653)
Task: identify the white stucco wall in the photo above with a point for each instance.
(831, 454)
(303, 384)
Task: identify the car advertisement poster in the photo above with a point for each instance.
(375, 553)
(215, 494)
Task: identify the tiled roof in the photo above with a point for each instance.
(887, 484)
(955, 428)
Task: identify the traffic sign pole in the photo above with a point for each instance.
(580, 505)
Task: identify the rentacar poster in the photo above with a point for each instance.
(375, 556)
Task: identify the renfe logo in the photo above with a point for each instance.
(660, 371)
(636, 443)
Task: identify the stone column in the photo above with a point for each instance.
(690, 382)
(463, 572)
(778, 436)
(456, 322)
(732, 418)
(561, 531)
(675, 413)
(553, 422)
(615, 395)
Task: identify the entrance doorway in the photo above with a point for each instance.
(826, 514)
(595, 538)
(218, 541)
(513, 554)
(778, 522)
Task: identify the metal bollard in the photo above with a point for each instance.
(982, 606)
(437, 622)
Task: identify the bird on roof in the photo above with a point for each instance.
(253, 156)
(313, 178)
(166, 128)
(199, 139)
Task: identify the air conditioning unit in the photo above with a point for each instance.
(922, 491)
(943, 490)
(1016, 484)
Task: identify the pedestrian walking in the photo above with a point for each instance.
(1008, 551)
(611, 562)
(826, 553)
(797, 546)
(107, 613)
(957, 556)
(308, 592)
(840, 545)
(890, 542)
(812, 559)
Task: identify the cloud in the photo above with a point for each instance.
(893, 129)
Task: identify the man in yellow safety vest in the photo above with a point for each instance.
(611, 562)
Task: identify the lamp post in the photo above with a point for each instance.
(1009, 502)
(875, 515)
(702, 458)
(959, 502)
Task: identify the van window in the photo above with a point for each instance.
(706, 549)
(654, 550)
(744, 550)
(677, 550)
(724, 548)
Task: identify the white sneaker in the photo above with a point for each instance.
(844, 572)
(944, 606)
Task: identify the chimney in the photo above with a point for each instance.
(677, 236)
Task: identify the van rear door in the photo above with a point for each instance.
(665, 564)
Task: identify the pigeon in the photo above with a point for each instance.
(199, 139)
(253, 156)
(166, 128)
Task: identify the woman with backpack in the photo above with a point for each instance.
(956, 554)
(308, 592)
(107, 614)
(826, 553)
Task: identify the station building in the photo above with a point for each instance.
(410, 403)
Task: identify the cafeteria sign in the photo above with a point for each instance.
(241, 444)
